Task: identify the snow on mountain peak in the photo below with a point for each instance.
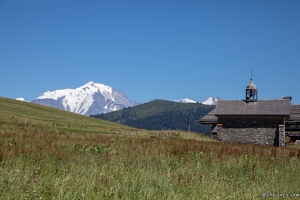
(84, 98)
(185, 100)
(210, 101)
(92, 87)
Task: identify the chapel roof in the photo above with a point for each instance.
(212, 118)
(262, 107)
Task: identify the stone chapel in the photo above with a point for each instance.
(253, 121)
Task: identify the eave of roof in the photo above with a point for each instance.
(209, 118)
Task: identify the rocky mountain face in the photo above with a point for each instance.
(89, 99)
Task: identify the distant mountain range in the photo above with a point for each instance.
(162, 115)
(208, 101)
(102, 101)
(95, 98)
(89, 99)
(186, 100)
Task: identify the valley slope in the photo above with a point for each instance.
(14, 112)
(162, 115)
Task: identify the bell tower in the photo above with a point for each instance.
(251, 92)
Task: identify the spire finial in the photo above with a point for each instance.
(251, 73)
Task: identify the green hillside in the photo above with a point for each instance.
(160, 115)
(30, 114)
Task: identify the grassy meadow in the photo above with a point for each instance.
(46, 153)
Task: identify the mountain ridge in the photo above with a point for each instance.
(95, 98)
(161, 114)
(208, 101)
(91, 98)
(185, 100)
(211, 101)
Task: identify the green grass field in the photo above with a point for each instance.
(47, 153)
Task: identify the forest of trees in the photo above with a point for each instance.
(166, 120)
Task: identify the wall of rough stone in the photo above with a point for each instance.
(281, 135)
(263, 131)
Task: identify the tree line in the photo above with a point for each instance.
(167, 120)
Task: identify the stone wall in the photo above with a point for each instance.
(281, 135)
(263, 131)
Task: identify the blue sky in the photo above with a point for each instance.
(165, 49)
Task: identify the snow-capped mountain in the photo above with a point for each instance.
(89, 99)
(210, 101)
(186, 100)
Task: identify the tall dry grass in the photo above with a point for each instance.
(39, 163)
